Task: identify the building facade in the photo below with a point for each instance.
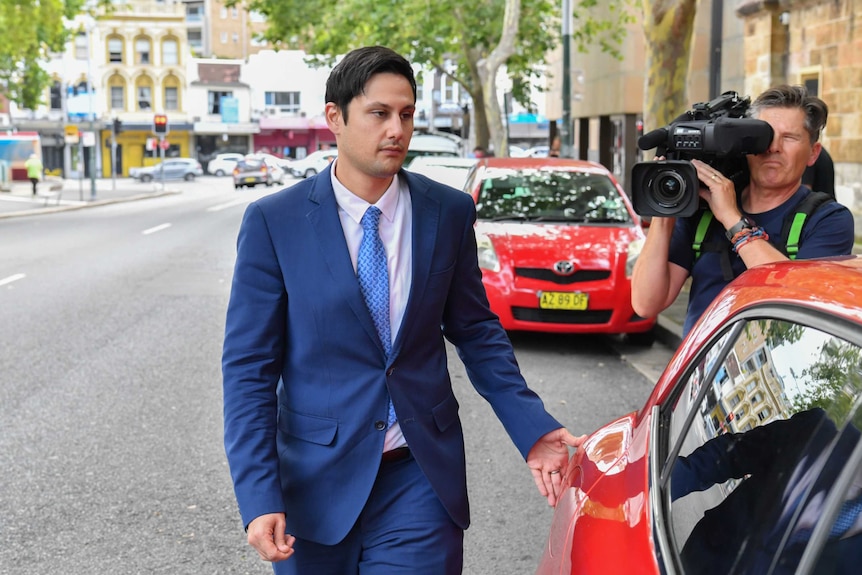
(739, 45)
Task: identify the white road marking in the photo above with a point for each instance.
(156, 229)
(226, 205)
(10, 279)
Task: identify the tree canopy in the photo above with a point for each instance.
(463, 40)
(32, 30)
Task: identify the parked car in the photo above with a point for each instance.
(451, 171)
(313, 163)
(537, 152)
(250, 172)
(223, 164)
(175, 169)
(274, 164)
(744, 456)
(557, 243)
(433, 145)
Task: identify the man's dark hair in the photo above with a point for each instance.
(349, 77)
(786, 96)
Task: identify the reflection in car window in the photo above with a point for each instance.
(554, 196)
(774, 418)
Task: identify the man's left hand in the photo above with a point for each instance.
(548, 459)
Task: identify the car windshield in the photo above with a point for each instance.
(550, 196)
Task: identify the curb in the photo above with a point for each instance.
(91, 204)
(668, 332)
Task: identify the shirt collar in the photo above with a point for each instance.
(356, 206)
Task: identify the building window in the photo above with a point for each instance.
(117, 98)
(448, 90)
(196, 42)
(81, 46)
(235, 38)
(734, 401)
(142, 51)
(287, 102)
(194, 13)
(169, 53)
(223, 12)
(214, 101)
(234, 13)
(56, 95)
(115, 50)
(223, 37)
(172, 101)
(145, 98)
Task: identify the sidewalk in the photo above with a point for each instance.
(57, 194)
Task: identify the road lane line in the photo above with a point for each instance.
(13, 278)
(156, 229)
(226, 205)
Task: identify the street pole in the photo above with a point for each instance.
(162, 155)
(92, 160)
(566, 139)
(114, 155)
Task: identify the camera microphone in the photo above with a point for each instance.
(653, 139)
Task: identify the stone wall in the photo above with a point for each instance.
(799, 41)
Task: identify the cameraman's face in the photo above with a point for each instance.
(788, 154)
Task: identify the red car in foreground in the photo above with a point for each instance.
(747, 456)
(557, 243)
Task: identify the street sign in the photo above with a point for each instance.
(88, 139)
(72, 135)
(164, 144)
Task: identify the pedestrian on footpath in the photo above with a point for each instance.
(34, 170)
(341, 425)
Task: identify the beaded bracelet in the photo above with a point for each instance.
(748, 235)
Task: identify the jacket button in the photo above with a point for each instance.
(390, 371)
(379, 425)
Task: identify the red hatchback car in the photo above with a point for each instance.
(747, 456)
(557, 243)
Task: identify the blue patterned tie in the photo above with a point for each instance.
(850, 510)
(374, 282)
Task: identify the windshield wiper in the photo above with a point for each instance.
(518, 217)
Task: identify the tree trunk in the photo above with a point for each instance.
(488, 74)
(668, 28)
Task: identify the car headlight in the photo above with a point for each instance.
(632, 254)
(487, 255)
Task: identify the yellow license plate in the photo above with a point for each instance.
(563, 300)
(251, 179)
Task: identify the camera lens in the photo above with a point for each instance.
(668, 189)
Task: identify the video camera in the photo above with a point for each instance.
(716, 132)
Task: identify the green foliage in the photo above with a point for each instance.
(32, 30)
(432, 32)
(836, 379)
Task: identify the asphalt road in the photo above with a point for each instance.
(111, 458)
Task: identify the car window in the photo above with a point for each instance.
(759, 434)
(546, 195)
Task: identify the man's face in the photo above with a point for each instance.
(789, 153)
(373, 142)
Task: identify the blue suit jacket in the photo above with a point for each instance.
(305, 376)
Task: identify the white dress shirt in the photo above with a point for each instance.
(396, 233)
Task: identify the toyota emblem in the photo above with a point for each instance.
(564, 268)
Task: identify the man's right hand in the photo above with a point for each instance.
(266, 534)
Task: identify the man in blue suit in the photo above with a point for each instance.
(324, 473)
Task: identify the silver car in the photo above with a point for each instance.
(174, 169)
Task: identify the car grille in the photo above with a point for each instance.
(561, 315)
(550, 276)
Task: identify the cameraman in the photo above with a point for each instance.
(750, 223)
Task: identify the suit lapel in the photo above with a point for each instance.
(324, 220)
(426, 218)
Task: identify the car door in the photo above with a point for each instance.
(759, 454)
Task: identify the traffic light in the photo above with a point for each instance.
(118, 126)
(160, 124)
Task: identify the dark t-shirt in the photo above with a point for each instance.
(828, 232)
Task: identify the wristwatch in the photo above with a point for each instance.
(742, 224)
